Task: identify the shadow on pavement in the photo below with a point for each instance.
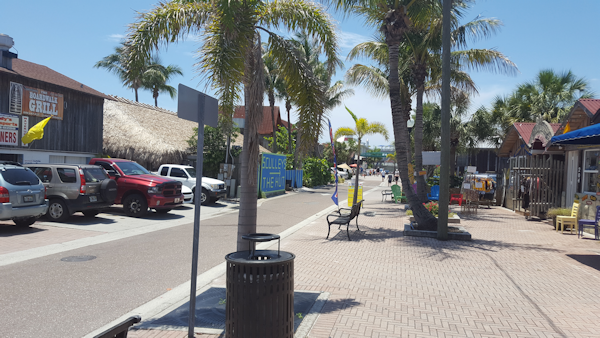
(9, 230)
(593, 261)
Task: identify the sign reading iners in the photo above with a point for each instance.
(9, 130)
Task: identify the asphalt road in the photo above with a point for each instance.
(47, 297)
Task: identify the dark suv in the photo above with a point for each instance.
(75, 187)
(22, 195)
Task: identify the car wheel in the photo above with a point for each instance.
(162, 211)
(90, 213)
(135, 205)
(24, 221)
(204, 200)
(57, 211)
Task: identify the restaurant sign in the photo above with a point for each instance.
(35, 102)
(9, 130)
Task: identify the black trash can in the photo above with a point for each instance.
(260, 291)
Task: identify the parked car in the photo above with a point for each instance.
(341, 173)
(138, 189)
(212, 189)
(22, 194)
(188, 195)
(75, 187)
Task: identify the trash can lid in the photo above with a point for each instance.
(260, 237)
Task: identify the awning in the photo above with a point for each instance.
(344, 166)
(588, 136)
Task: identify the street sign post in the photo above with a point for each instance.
(195, 106)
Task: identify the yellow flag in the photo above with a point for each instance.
(567, 128)
(36, 132)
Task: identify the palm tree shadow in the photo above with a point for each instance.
(338, 305)
(364, 234)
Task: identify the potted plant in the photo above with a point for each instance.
(553, 212)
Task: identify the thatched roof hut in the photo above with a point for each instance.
(146, 134)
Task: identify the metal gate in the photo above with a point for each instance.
(541, 176)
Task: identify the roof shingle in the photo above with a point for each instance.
(42, 73)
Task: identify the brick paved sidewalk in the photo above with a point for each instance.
(517, 278)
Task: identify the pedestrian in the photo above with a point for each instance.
(389, 179)
(396, 176)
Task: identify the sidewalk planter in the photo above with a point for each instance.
(457, 233)
(260, 291)
(455, 219)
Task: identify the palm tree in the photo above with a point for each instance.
(129, 73)
(551, 95)
(156, 77)
(282, 94)
(230, 61)
(362, 128)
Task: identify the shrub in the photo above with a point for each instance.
(553, 212)
(316, 172)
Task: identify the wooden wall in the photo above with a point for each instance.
(80, 130)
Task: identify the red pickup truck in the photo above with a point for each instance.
(138, 189)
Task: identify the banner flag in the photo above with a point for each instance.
(36, 132)
(335, 194)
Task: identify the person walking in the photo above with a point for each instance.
(389, 180)
(396, 176)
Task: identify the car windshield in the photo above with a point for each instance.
(191, 172)
(20, 176)
(94, 175)
(132, 168)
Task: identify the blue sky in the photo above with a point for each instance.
(71, 36)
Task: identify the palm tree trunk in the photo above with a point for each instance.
(424, 218)
(136, 94)
(297, 149)
(253, 93)
(155, 94)
(272, 103)
(288, 107)
(354, 201)
(421, 191)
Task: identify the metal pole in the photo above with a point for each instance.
(199, 164)
(442, 229)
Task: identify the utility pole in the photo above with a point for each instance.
(442, 228)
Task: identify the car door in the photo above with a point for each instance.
(69, 185)
(45, 174)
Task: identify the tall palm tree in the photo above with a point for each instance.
(156, 77)
(270, 71)
(130, 73)
(230, 57)
(362, 128)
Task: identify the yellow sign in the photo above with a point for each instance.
(351, 194)
(422, 173)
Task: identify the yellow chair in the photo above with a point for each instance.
(571, 221)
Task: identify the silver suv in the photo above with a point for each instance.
(22, 195)
(75, 187)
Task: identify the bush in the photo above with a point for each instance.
(316, 172)
(553, 212)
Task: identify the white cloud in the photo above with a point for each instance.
(116, 37)
(348, 40)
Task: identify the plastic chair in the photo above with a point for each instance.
(588, 223)
(571, 221)
(397, 194)
(456, 198)
(434, 195)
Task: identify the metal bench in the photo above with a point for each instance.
(120, 330)
(385, 194)
(342, 217)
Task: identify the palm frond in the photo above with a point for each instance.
(371, 78)
(485, 59)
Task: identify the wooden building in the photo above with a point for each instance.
(29, 93)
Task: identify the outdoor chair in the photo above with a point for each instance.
(343, 218)
(434, 195)
(397, 194)
(588, 223)
(570, 221)
(456, 198)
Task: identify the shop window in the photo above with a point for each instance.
(591, 161)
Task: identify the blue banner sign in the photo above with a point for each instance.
(272, 173)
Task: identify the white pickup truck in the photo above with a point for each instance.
(212, 189)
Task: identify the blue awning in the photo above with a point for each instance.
(588, 136)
